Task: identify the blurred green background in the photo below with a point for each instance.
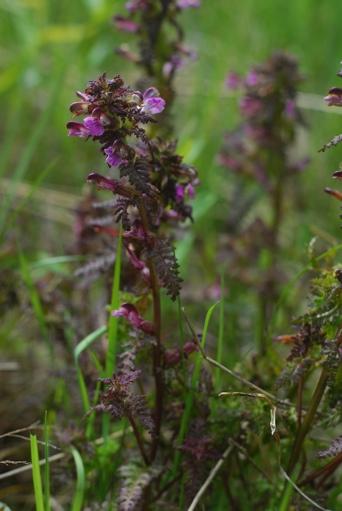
(51, 48)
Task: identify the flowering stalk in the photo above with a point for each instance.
(161, 51)
(309, 419)
(151, 189)
(315, 345)
(334, 98)
(258, 151)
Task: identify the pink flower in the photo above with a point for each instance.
(125, 24)
(190, 191)
(250, 106)
(290, 109)
(252, 79)
(129, 312)
(136, 5)
(113, 158)
(189, 347)
(184, 191)
(180, 193)
(77, 129)
(94, 126)
(334, 97)
(185, 4)
(233, 81)
(172, 357)
(175, 62)
(152, 102)
(138, 263)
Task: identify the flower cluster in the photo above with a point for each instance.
(120, 401)
(161, 49)
(270, 115)
(334, 98)
(259, 153)
(153, 185)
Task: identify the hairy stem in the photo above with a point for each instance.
(157, 359)
(139, 440)
(308, 420)
(268, 299)
(300, 401)
(323, 472)
(157, 347)
(154, 26)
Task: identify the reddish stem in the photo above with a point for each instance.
(157, 348)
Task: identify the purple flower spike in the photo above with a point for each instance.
(252, 79)
(172, 357)
(176, 62)
(233, 81)
(152, 102)
(129, 312)
(126, 25)
(113, 158)
(184, 191)
(185, 4)
(190, 191)
(94, 126)
(290, 109)
(250, 106)
(189, 347)
(180, 193)
(77, 129)
(136, 5)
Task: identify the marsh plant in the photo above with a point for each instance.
(184, 417)
(260, 154)
(159, 50)
(159, 413)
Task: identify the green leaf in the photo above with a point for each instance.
(37, 481)
(47, 465)
(82, 346)
(77, 503)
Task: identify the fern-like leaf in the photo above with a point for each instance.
(167, 267)
(333, 142)
(334, 449)
(135, 481)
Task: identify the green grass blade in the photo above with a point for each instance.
(91, 415)
(37, 481)
(77, 503)
(34, 186)
(83, 390)
(47, 465)
(219, 353)
(34, 298)
(199, 359)
(82, 346)
(30, 148)
(113, 326)
(47, 262)
(288, 492)
(88, 341)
